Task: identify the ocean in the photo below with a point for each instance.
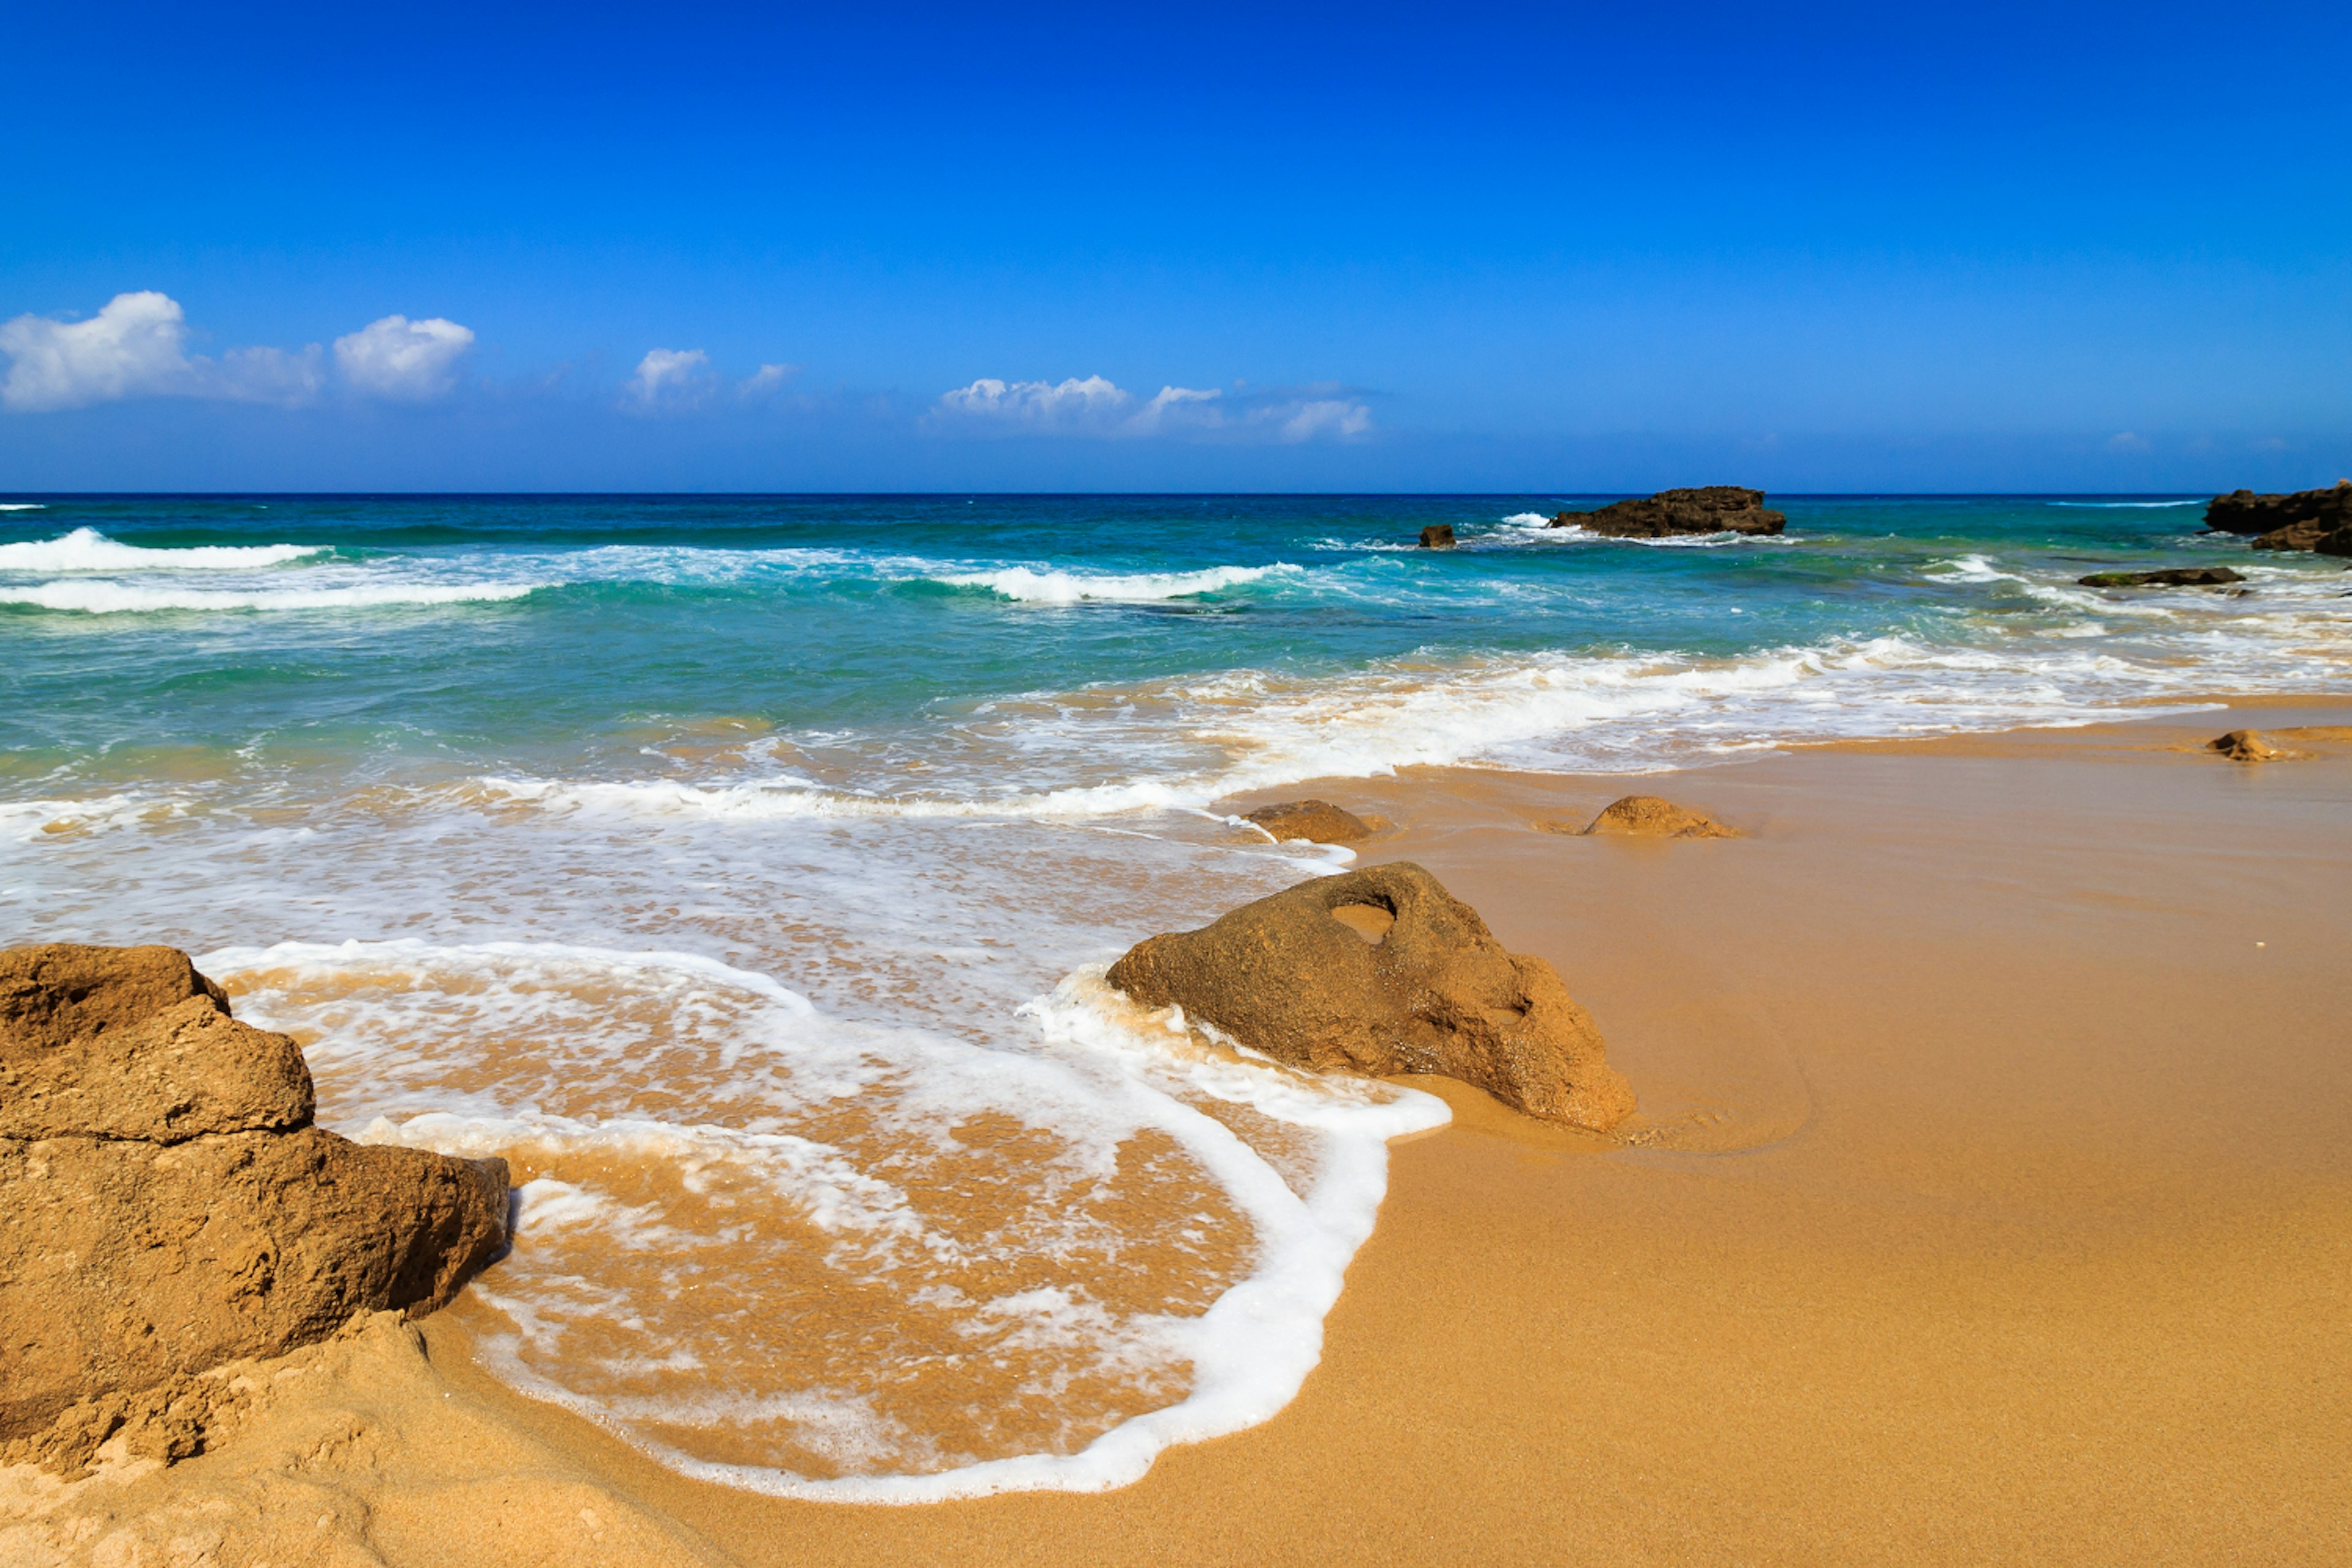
(743, 870)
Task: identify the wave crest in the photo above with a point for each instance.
(87, 549)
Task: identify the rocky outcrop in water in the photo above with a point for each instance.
(1437, 536)
(1317, 821)
(2172, 577)
(165, 1205)
(1648, 816)
(1712, 508)
(2319, 520)
(1382, 971)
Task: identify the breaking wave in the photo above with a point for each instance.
(87, 549)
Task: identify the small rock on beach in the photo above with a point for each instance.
(1317, 821)
(1648, 816)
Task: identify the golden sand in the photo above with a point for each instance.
(1991, 1202)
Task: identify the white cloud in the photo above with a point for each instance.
(670, 378)
(1093, 403)
(134, 346)
(405, 361)
(1328, 417)
(1096, 406)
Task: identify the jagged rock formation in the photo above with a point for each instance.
(2318, 520)
(1437, 536)
(1317, 821)
(1647, 817)
(2173, 577)
(1382, 971)
(165, 1205)
(1714, 509)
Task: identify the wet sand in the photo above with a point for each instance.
(1991, 1202)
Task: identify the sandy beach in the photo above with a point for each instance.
(1988, 1201)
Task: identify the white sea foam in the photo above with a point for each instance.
(1527, 520)
(1574, 533)
(87, 549)
(23, 506)
(2129, 505)
(33, 821)
(99, 597)
(1027, 585)
(723, 1201)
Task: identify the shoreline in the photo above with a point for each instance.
(1988, 1201)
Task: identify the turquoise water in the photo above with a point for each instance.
(877, 633)
(743, 870)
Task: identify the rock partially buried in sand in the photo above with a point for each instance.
(1647, 817)
(1710, 508)
(1317, 821)
(2250, 746)
(1437, 536)
(2173, 577)
(165, 1205)
(1382, 971)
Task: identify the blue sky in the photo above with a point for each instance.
(1605, 247)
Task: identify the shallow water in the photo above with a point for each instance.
(738, 868)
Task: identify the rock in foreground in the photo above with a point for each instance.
(1713, 508)
(2318, 520)
(1382, 971)
(1648, 816)
(1317, 821)
(165, 1205)
(1437, 536)
(2173, 577)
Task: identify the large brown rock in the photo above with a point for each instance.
(139, 1045)
(166, 1206)
(1710, 508)
(1382, 971)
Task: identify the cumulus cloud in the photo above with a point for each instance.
(401, 360)
(1092, 404)
(1097, 406)
(670, 378)
(135, 346)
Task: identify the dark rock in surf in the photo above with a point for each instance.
(2173, 577)
(2316, 520)
(165, 1205)
(1317, 821)
(1382, 971)
(1437, 536)
(1713, 508)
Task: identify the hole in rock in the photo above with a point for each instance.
(1366, 921)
